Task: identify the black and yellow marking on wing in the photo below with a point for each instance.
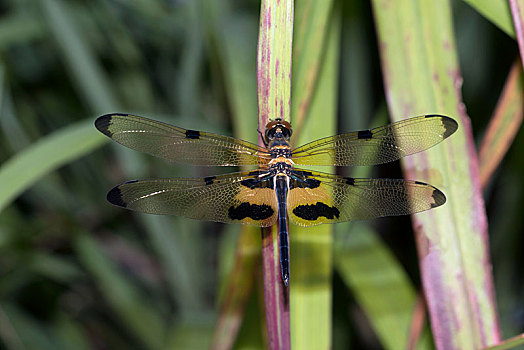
(257, 200)
(313, 212)
(254, 212)
(339, 199)
(215, 198)
(309, 200)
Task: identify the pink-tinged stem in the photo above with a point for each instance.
(238, 290)
(417, 323)
(517, 7)
(276, 295)
(274, 96)
(511, 343)
(503, 126)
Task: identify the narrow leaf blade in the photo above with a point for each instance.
(421, 76)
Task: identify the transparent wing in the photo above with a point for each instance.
(318, 198)
(379, 145)
(232, 198)
(179, 145)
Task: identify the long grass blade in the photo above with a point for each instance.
(421, 76)
(314, 117)
(312, 21)
(79, 58)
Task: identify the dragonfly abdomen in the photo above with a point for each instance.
(281, 186)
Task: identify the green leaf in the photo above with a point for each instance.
(234, 38)
(134, 310)
(378, 281)
(21, 331)
(497, 11)
(421, 76)
(175, 254)
(27, 167)
(190, 335)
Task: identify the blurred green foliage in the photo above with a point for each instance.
(76, 273)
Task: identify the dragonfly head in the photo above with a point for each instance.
(278, 129)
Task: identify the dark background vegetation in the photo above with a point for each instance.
(76, 272)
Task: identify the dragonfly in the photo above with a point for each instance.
(277, 191)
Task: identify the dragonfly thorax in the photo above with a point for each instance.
(281, 168)
(279, 149)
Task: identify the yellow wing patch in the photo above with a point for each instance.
(311, 206)
(310, 201)
(256, 207)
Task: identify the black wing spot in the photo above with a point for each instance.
(192, 134)
(365, 134)
(450, 125)
(350, 181)
(253, 211)
(209, 180)
(314, 211)
(115, 197)
(299, 179)
(256, 183)
(102, 124)
(311, 183)
(302, 173)
(438, 197)
(304, 183)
